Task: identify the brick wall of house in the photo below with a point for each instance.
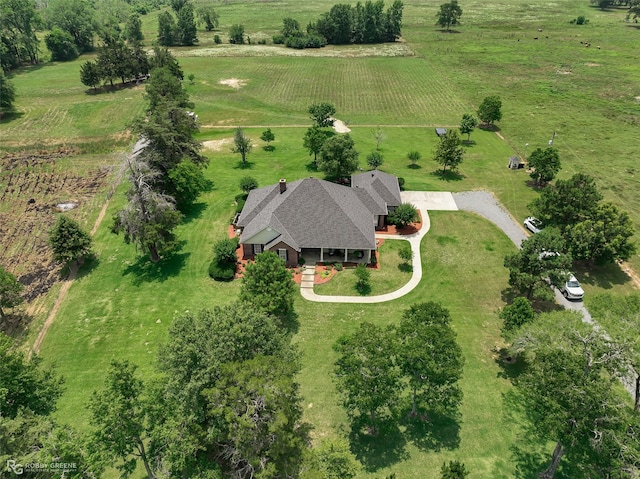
(292, 254)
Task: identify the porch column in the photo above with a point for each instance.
(322, 255)
(369, 257)
(346, 252)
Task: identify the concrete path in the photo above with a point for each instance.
(306, 286)
(422, 200)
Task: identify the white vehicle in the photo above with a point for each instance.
(548, 254)
(572, 288)
(533, 224)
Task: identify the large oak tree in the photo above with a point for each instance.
(366, 374)
(338, 156)
(429, 356)
(541, 259)
(567, 392)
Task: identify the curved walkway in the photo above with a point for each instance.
(422, 200)
(414, 240)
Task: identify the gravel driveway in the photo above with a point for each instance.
(488, 206)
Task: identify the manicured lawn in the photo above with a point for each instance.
(122, 306)
(392, 274)
(463, 271)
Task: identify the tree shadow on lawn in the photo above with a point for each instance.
(10, 116)
(448, 175)
(529, 461)
(388, 447)
(247, 165)
(539, 305)
(605, 276)
(414, 166)
(489, 127)
(534, 185)
(146, 271)
(311, 166)
(290, 322)
(435, 433)
(194, 212)
(510, 367)
(15, 324)
(527, 452)
(405, 268)
(90, 263)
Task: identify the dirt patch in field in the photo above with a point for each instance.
(235, 83)
(340, 127)
(638, 98)
(592, 64)
(564, 72)
(395, 49)
(31, 185)
(216, 145)
(626, 267)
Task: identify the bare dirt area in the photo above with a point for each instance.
(235, 83)
(31, 185)
(217, 145)
(626, 267)
(340, 126)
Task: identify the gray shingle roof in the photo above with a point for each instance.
(379, 184)
(311, 213)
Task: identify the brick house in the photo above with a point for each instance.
(318, 220)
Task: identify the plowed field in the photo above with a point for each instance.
(31, 185)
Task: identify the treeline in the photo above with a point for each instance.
(166, 173)
(115, 60)
(73, 25)
(179, 29)
(345, 24)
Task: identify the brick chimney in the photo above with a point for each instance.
(283, 185)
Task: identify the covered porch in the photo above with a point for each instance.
(336, 255)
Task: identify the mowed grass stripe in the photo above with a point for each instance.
(364, 90)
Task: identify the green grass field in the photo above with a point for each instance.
(122, 306)
(552, 83)
(392, 274)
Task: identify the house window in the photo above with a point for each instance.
(283, 254)
(257, 248)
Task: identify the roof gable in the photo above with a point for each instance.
(379, 184)
(310, 213)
